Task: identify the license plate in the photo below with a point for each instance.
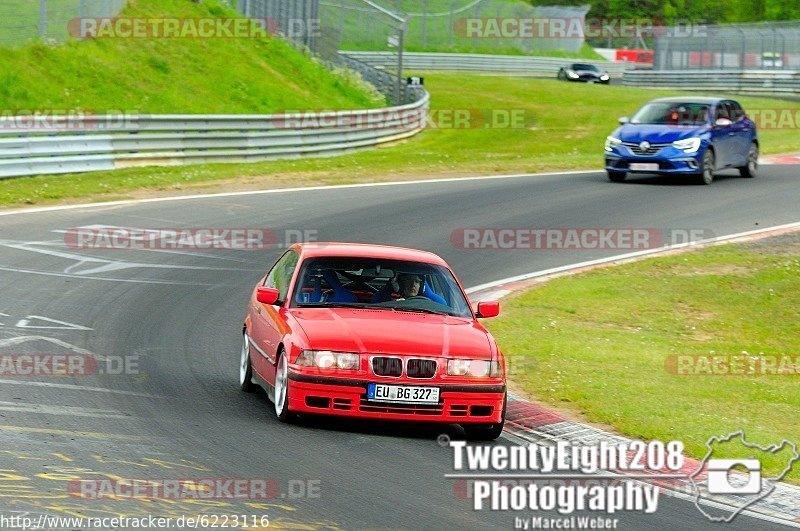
(643, 166)
(402, 393)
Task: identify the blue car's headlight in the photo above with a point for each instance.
(688, 145)
(604, 77)
(572, 75)
(612, 142)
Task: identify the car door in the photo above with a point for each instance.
(269, 320)
(743, 129)
(723, 138)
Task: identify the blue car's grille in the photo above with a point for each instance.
(637, 150)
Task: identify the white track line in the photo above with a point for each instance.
(79, 388)
(287, 190)
(626, 256)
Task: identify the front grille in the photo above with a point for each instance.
(417, 368)
(458, 410)
(407, 409)
(385, 366)
(652, 150)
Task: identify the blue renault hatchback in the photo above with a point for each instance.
(683, 136)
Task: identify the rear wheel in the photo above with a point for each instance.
(486, 432)
(751, 169)
(245, 369)
(281, 396)
(707, 173)
(616, 176)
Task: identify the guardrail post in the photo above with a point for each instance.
(400, 83)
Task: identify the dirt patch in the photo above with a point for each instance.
(719, 270)
(783, 245)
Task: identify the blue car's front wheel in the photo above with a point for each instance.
(616, 176)
(707, 172)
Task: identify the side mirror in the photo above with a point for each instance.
(488, 309)
(266, 295)
(722, 122)
(624, 120)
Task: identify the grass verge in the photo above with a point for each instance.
(605, 343)
(175, 75)
(564, 128)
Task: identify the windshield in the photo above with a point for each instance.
(671, 113)
(377, 283)
(582, 66)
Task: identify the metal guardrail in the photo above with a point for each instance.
(744, 81)
(96, 143)
(517, 64)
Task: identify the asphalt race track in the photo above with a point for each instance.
(180, 314)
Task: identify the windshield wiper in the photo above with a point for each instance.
(359, 305)
(421, 310)
(330, 305)
(368, 306)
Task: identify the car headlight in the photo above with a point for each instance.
(475, 368)
(604, 77)
(572, 74)
(612, 142)
(688, 145)
(326, 359)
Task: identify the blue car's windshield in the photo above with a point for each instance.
(378, 283)
(672, 113)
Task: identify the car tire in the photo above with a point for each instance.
(751, 169)
(486, 432)
(616, 176)
(706, 174)
(280, 397)
(245, 368)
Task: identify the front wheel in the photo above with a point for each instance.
(707, 173)
(281, 396)
(245, 368)
(751, 169)
(616, 176)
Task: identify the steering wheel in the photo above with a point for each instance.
(416, 297)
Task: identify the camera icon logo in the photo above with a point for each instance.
(719, 476)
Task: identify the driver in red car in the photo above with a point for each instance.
(410, 286)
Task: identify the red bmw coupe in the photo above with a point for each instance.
(370, 331)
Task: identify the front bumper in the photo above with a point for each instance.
(347, 397)
(670, 160)
(589, 80)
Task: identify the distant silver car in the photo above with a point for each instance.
(583, 73)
